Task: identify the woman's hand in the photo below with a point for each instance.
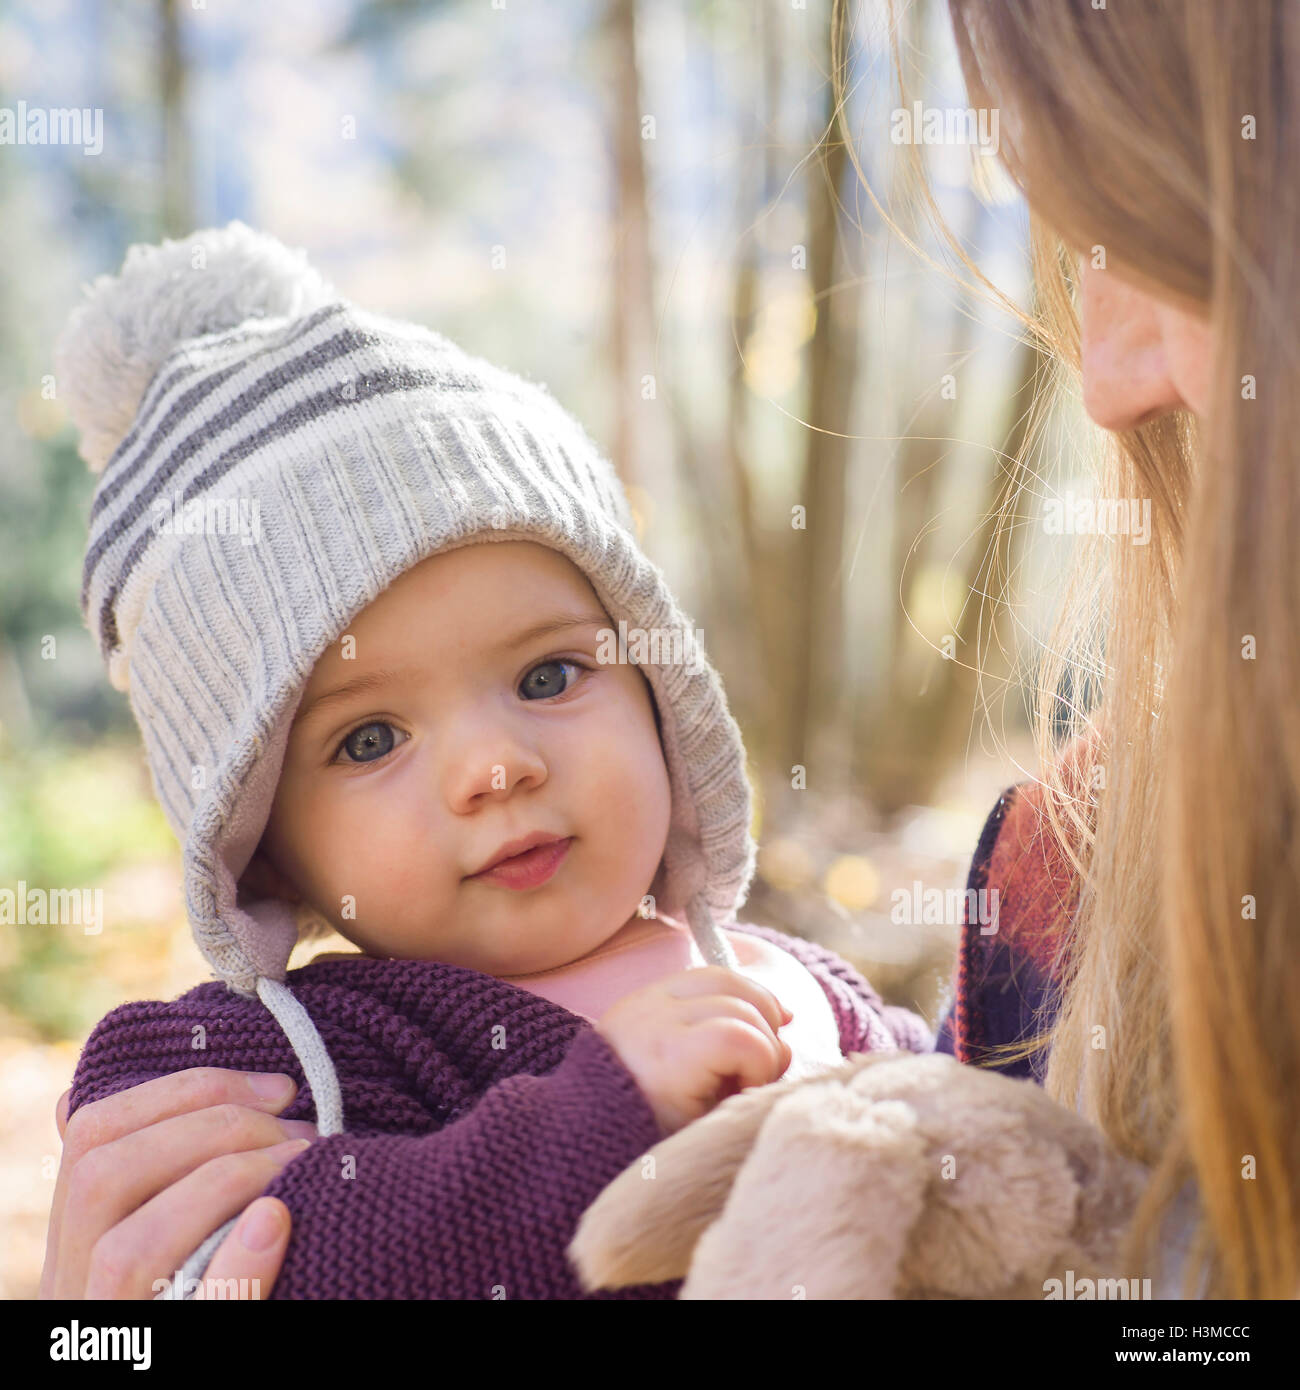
(147, 1174)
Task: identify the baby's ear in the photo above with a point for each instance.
(263, 880)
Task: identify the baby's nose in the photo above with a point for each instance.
(490, 769)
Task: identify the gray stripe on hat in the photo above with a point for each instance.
(198, 356)
(305, 413)
(319, 355)
(283, 375)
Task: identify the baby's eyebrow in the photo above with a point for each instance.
(376, 680)
(557, 622)
(372, 680)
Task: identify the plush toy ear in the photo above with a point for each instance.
(1007, 1208)
(643, 1227)
(1028, 1188)
(825, 1205)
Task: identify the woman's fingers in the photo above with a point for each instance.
(107, 1120)
(61, 1111)
(112, 1180)
(133, 1258)
(247, 1263)
(183, 1091)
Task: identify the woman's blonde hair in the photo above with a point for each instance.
(1166, 137)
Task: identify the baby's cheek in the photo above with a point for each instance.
(626, 775)
(375, 869)
(626, 806)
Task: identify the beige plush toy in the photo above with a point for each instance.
(892, 1176)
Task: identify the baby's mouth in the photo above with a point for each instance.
(528, 869)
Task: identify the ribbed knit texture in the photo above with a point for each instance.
(473, 1164)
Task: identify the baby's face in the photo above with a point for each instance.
(485, 718)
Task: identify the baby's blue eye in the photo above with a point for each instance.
(547, 680)
(369, 743)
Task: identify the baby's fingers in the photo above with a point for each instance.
(733, 1048)
(715, 980)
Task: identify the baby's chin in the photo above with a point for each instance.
(519, 965)
(518, 961)
(506, 944)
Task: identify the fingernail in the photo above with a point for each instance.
(282, 1153)
(300, 1129)
(261, 1226)
(272, 1086)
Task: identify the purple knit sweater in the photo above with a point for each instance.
(466, 1166)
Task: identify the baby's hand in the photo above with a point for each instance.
(695, 1037)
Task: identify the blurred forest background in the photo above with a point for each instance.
(647, 205)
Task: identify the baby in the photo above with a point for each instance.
(397, 709)
(486, 792)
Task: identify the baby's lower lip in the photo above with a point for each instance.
(527, 870)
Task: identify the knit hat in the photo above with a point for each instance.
(221, 376)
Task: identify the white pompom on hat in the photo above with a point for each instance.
(117, 339)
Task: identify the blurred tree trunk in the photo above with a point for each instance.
(908, 735)
(16, 722)
(759, 557)
(643, 428)
(177, 205)
(901, 745)
(817, 699)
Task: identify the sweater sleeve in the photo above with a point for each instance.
(484, 1208)
(866, 1022)
(476, 1196)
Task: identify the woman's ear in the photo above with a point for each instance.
(261, 879)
